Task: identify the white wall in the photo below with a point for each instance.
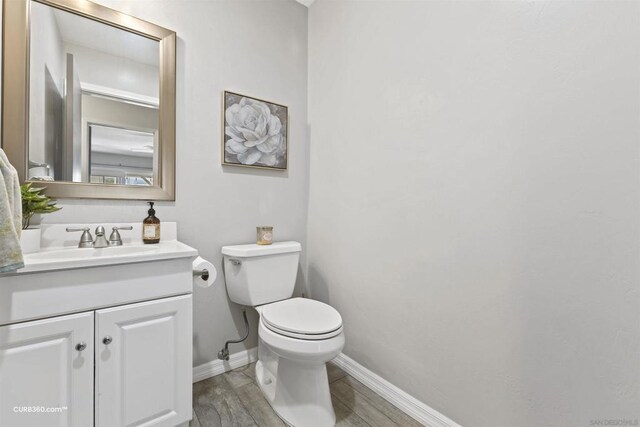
(254, 47)
(475, 201)
(114, 72)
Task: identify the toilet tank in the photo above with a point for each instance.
(260, 274)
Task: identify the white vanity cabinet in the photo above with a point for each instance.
(143, 363)
(98, 337)
(142, 359)
(46, 372)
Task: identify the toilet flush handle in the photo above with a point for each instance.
(235, 261)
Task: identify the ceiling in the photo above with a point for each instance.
(126, 142)
(306, 2)
(92, 34)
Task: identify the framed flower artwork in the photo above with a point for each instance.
(255, 132)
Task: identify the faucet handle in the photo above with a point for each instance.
(71, 229)
(126, 227)
(114, 238)
(86, 240)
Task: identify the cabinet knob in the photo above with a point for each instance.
(81, 346)
(107, 340)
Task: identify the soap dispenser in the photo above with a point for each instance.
(151, 227)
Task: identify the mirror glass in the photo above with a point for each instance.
(93, 101)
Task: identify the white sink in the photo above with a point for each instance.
(77, 253)
(60, 249)
(65, 258)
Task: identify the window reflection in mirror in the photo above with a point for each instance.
(120, 156)
(93, 102)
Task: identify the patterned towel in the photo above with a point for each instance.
(10, 217)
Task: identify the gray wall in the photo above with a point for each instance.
(475, 201)
(257, 48)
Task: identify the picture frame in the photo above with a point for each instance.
(255, 132)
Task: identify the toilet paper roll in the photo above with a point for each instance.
(204, 273)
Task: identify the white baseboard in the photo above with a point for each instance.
(417, 410)
(217, 367)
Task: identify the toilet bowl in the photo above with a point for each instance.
(291, 370)
(297, 336)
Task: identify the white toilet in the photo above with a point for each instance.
(298, 336)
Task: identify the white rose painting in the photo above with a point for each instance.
(255, 132)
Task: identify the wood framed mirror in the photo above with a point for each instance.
(88, 102)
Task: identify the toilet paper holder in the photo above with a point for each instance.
(203, 274)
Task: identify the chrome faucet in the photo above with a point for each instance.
(86, 240)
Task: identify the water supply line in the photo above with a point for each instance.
(224, 353)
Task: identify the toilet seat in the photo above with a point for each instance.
(302, 336)
(302, 318)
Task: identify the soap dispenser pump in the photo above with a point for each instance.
(151, 227)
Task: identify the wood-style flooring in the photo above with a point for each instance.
(234, 399)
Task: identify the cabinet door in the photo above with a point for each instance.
(44, 379)
(143, 364)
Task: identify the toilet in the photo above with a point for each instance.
(297, 336)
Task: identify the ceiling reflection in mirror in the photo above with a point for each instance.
(93, 101)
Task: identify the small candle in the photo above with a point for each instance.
(265, 235)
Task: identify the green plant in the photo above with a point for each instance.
(34, 202)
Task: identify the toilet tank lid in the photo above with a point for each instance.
(252, 250)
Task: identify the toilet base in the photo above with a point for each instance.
(292, 374)
(299, 394)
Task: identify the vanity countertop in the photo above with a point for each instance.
(60, 249)
(66, 258)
